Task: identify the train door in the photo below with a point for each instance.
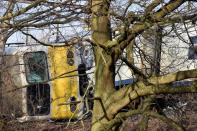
(38, 89)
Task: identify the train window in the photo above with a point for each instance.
(38, 99)
(83, 79)
(192, 53)
(36, 67)
(194, 40)
(73, 106)
(70, 58)
(70, 54)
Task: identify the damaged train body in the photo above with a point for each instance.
(44, 79)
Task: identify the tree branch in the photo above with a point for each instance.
(120, 117)
(128, 94)
(165, 119)
(139, 27)
(22, 11)
(177, 76)
(133, 68)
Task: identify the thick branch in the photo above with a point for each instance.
(150, 7)
(168, 121)
(177, 76)
(168, 8)
(120, 118)
(140, 89)
(138, 28)
(133, 68)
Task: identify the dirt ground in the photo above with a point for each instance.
(183, 111)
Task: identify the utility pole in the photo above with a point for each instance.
(157, 51)
(2, 45)
(27, 37)
(57, 34)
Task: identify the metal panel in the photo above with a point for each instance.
(63, 88)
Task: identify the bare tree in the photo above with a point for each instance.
(109, 50)
(114, 25)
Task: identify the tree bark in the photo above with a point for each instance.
(105, 77)
(105, 67)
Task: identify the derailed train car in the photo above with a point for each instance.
(44, 79)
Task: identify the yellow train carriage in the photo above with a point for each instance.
(50, 78)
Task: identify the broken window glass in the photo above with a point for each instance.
(36, 67)
(38, 99)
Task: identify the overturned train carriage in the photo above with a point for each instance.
(39, 80)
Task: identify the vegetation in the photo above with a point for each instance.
(113, 26)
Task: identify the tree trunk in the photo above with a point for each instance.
(105, 77)
(105, 67)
